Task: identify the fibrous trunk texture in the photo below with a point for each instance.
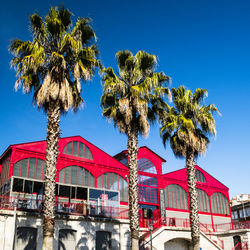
(53, 134)
(193, 201)
(133, 187)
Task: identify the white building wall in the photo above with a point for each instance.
(221, 219)
(6, 231)
(204, 218)
(85, 230)
(177, 214)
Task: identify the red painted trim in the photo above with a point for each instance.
(104, 163)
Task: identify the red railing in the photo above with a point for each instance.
(223, 227)
(80, 208)
(228, 226)
(241, 246)
(205, 229)
(241, 225)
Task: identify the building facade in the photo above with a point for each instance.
(92, 192)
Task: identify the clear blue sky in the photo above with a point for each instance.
(200, 44)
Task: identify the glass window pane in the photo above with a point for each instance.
(110, 180)
(18, 185)
(175, 197)
(25, 163)
(90, 155)
(92, 180)
(28, 186)
(86, 177)
(38, 187)
(40, 168)
(74, 175)
(146, 165)
(32, 168)
(75, 148)
(73, 192)
(82, 193)
(80, 149)
(94, 194)
(61, 175)
(64, 191)
(65, 150)
(104, 183)
(115, 182)
(86, 156)
(99, 181)
(125, 192)
(17, 168)
(68, 175)
(80, 175)
(69, 148)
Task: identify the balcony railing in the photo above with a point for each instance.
(81, 207)
(241, 246)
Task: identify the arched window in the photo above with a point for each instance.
(220, 204)
(79, 149)
(76, 175)
(200, 176)
(67, 239)
(25, 238)
(146, 165)
(203, 201)
(114, 181)
(175, 197)
(4, 175)
(103, 240)
(30, 168)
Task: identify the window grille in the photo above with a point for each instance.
(146, 165)
(76, 175)
(78, 149)
(147, 180)
(30, 167)
(4, 175)
(203, 201)
(175, 197)
(148, 194)
(114, 181)
(220, 204)
(200, 176)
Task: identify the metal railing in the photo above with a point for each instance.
(75, 208)
(241, 246)
(205, 229)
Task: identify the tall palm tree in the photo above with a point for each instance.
(52, 66)
(187, 126)
(130, 100)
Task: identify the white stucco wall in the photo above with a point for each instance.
(221, 219)
(177, 214)
(163, 235)
(85, 230)
(204, 218)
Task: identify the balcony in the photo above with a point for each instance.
(79, 207)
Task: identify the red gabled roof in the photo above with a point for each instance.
(99, 156)
(181, 174)
(126, 152)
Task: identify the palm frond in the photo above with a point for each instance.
(57, 60)
(188, 124)
(136, 93)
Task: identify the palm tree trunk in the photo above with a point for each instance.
(53, 134)
(193, 201)
(133, 187)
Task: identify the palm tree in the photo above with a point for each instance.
(52, 66)
(130, 100)
(187, 126)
